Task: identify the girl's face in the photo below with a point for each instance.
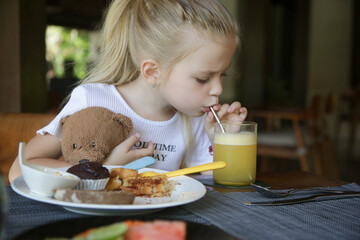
(195, 83)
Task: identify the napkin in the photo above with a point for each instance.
(333, 219)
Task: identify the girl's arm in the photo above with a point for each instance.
(234, 112)
(43, 150)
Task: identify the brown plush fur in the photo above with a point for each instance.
(92, 133)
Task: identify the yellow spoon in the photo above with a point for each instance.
(195, 169)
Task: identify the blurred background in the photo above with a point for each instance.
(295, 54)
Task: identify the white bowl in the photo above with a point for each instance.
(44, 180)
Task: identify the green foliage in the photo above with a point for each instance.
(67, 44)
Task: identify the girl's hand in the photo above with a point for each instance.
(123, 154)
(225, 112)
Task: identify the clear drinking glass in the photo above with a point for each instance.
(237, 147)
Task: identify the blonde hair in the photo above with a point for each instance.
(134, 29)
(154, 28)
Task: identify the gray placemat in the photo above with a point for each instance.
(208, 180)
(332, 219)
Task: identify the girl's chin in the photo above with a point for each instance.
(198, 114)
(194, 113)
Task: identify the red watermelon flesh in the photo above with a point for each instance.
(156, 230)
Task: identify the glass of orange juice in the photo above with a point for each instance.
(235, 143)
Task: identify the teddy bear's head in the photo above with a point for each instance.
(92, 133)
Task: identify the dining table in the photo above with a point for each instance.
(219, 214)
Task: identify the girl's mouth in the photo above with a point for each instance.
(206, 109)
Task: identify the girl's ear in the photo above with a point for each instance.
(150, 70)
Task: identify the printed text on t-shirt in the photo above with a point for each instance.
(158, 147)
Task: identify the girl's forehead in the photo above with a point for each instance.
(215, 55)
(194, 47)
(220, 45)
(197, 38)
(204, 45)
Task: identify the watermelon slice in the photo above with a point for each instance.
(136, 230)
(156, 230)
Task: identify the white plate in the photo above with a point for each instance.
(186, 191)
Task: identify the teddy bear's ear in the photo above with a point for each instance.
(124, 121)
(63, 120)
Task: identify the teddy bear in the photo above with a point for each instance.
(92, 133)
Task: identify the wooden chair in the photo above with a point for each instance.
(15, 128)
(349, 109)
(296, 135)
(330, 165)
(277, 141)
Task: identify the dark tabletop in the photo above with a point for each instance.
(220, 211)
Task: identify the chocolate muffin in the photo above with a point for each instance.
(92, 174)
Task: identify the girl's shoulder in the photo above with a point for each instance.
(89, 87)
(99, 94)
(94, 90)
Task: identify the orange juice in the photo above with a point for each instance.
(238, 150)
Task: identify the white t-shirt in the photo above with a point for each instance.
(168, 137)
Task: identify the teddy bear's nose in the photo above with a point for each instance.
(84, 161)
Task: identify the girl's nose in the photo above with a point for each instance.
(216, 87)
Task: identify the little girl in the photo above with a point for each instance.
(161, 64)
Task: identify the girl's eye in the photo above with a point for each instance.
(202, 81)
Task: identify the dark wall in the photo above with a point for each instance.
(22, 61)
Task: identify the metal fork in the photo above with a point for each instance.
(272, 194)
